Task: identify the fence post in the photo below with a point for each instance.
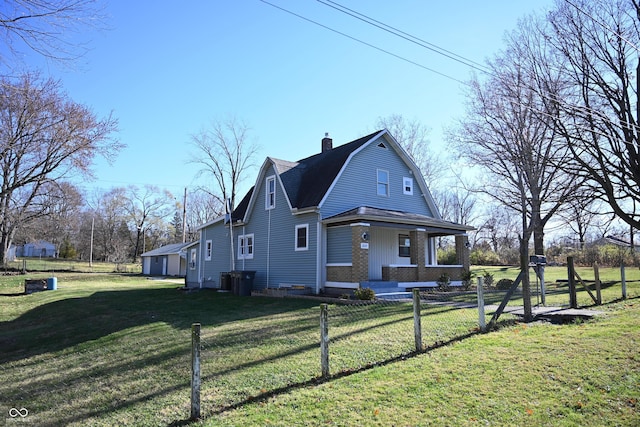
(324, 339)
(624, 281)
(571, 272)
(195, 371)
(596, 273)
(481, 319)
(417, 323)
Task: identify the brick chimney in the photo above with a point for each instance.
(327, 143)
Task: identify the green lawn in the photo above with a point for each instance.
(109, 349)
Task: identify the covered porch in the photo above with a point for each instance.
(368, 245)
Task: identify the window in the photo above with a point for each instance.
(302, 237)
(192, 262)
(383, 182)
(245, 246)
(208, 250)
(270, 193)
(404, 246)
(407, 186)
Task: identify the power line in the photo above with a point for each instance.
(406, 36)
(362, 42)
(489, 73)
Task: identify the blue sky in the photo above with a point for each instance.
(166, 69)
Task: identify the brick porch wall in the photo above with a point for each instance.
(341, 273)
(400, 274)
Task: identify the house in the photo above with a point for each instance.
(169, 260)
(40, 249)
(338, 220)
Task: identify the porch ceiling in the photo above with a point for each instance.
(397, 219)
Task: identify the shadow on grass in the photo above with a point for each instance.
(263, 397)
(65, 323)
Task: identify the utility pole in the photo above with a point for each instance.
(184, 216)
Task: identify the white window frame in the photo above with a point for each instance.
(306, 240)
(407, 186)
(269, 195)
(194, 257)
(208, 250)
(404, 241)
(379, 183)
(246, 246)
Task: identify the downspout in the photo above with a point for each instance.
(268, 246)
(319, 253)
(201, 260)
(244, 233)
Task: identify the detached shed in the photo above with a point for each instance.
(169, 260)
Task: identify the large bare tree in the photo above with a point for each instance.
(46, 27)
(596, 46)
(224, 153)
(509, 137)
(44, 137)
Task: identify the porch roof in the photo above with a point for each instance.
(390, 218)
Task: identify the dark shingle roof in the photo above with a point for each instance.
(308, 180)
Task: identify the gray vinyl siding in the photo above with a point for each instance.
(339, 245)
(275, 259)
(357, 186)
(191, 278)
(220, 261)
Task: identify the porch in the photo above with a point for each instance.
(392, 247)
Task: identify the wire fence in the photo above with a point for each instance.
(365, 334)
(287, 352)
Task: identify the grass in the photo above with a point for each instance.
(53, 265)
(108, 349)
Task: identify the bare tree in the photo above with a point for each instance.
(224, 153)
(145, 205)
(60, 204)
(111, 233)
(44, 137)
(413, 136)
(505, 133)
(202, 207)
(46, 27)
(595, 45)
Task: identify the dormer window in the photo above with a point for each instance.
(383, 182)
(270, 192)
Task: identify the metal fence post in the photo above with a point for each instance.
(324, 339)
(195, 371)
(417, 323)
(481, 319)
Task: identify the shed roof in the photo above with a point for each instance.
(172, 249)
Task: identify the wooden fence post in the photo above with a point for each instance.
(596, 273)
(623, 279)
(195, 371)
(571, 272)
(481, 319)
(324, 339)
(417, 322)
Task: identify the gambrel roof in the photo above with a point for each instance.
(307, 181)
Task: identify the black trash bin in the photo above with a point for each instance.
(225, 281)
(242, 282)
